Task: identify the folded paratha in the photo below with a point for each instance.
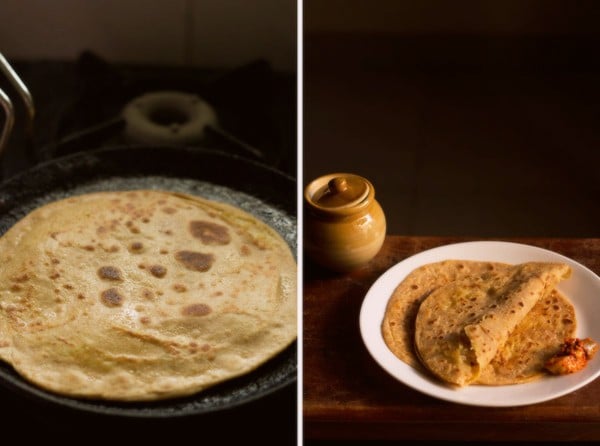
(398, 327)
(479, 322)
(142, 295)
(533, 341)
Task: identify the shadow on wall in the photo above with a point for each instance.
(220, 34)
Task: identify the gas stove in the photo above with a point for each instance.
(89, 103)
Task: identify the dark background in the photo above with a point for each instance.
(470, 118)
(474, 118)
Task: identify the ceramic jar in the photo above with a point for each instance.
(344, 226)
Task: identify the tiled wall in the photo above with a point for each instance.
(207, 33)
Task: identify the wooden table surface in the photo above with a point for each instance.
(347, 395)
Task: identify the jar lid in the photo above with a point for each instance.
(339, 193)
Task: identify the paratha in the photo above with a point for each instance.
(533, 341)
(511, 349)
(143, 295)
(398, 325)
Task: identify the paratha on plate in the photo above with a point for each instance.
(142, 295)
(398, 326)
(533, 341)
(466, 331)
(462, 326)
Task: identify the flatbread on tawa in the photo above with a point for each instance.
(142, 295)
(530, 343)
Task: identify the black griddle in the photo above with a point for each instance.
(257, 188)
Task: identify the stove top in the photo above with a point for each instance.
(79, 107)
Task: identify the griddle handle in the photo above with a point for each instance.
(8, 107)
(9, 121)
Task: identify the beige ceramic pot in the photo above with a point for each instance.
(344, 226)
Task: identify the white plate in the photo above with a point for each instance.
(582, 289)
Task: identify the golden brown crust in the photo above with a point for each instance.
(97, 299)
(401, 312)
(426, 303)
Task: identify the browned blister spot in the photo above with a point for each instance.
(210, 233)
(20, 278)
(245, 250)
(196, 310)
(111, 297)
(136, 247)
(169, 210)
(179, 288)
(195, 261)
(260, 244)
(158, 271)
(147, 294)
(109, 273)
(132, 227)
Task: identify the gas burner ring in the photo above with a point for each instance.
(168, 117)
